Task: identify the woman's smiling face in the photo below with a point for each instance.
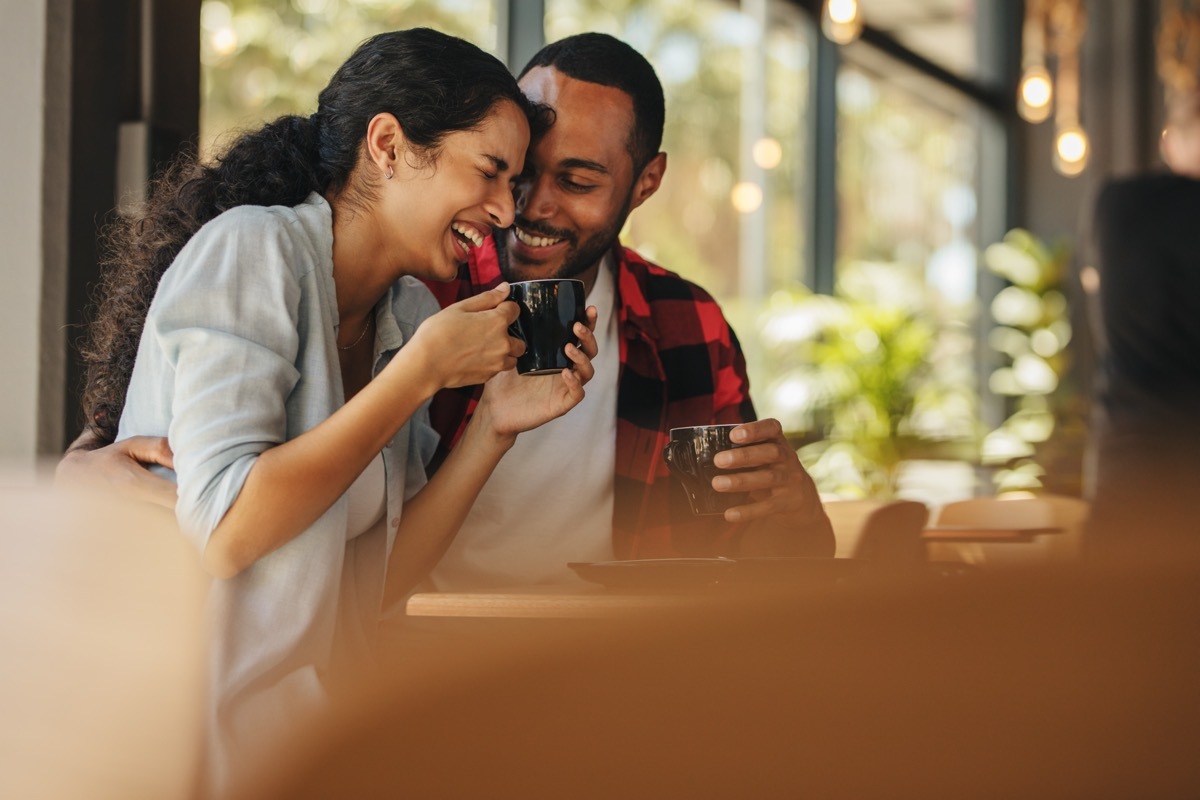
(438, 210)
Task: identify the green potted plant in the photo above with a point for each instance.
(875, 374)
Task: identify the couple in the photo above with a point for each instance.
(290, 350)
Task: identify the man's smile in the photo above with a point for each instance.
(530, 239)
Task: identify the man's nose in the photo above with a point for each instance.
(535, 198)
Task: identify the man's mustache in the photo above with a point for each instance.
(542, 229)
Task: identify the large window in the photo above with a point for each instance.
(264, 58)
(875, 172)
(907, 181)
(731, 212)
(908, 240)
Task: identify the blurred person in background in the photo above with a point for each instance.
(1146, 235)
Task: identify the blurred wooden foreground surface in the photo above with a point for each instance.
(1042, 683)
(101, 677)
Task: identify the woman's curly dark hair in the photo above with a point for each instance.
(434, 84)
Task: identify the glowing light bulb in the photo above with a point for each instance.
(224, 41)
(746, 197)
(767, 153)
(841, 21)
(1071, 151)
(1036, 92)
(843, 12)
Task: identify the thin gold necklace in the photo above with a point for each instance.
(367, 327)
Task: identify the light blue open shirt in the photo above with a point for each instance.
(239, 354)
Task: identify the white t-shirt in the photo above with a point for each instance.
(550, 499)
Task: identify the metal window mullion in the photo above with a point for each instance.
(822, 206)
(522, 31)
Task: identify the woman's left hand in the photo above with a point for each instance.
(514, 403)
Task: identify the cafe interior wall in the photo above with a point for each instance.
(1121, 110)
(61, 154)
(33, 174)
(95, 94)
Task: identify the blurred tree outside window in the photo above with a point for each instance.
(883, 373)
(732, 211)
(261, 59)
(908, 246)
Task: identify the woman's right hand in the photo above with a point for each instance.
(468, 342)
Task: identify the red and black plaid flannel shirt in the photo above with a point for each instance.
(680, 365)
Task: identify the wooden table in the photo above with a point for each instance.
(945, 534)
(553, 602)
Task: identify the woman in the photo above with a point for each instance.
(289, 352)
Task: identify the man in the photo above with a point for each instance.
(594, 486)
(1146, 432)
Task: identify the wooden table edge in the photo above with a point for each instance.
(968, 533)
(544, 606)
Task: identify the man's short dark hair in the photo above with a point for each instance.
(606, 60)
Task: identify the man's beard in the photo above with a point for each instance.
(580, 255)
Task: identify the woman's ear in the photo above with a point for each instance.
(385, 143)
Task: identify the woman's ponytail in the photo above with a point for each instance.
(432, 83)
(275, 165)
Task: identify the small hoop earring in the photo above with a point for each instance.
(389, 172)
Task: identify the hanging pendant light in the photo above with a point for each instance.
(1071, 148)
(1035, 93)
(841, 20)
(1036, 97)
(1071, 145)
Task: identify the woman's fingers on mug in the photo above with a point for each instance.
(516, 347)
(510, 312)
(583, 365)
(587, 339)
(485, 300)
(577, 356)
(574, 382)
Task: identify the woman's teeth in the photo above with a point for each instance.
(534, 241)
(470, 234)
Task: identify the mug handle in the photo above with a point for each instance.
(681, 461)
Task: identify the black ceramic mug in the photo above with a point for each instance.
(689, 456)
(549, 311)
